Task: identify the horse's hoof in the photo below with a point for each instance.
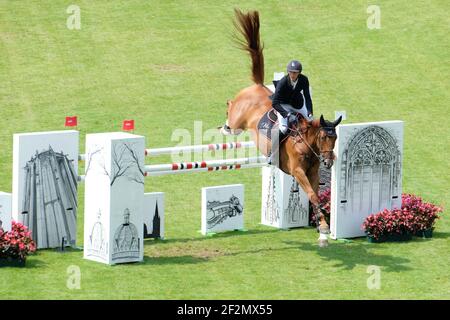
(325, 230)
(323, 243)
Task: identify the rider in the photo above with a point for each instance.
(288, 96)
(288, 99)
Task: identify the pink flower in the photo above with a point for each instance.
(17, 242)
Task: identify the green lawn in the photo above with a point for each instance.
(167, 64)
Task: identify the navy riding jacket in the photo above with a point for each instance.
(286, 94)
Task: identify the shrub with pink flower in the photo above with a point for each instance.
(389, 222)
(425, 214)
(17, 243)
(414, 215)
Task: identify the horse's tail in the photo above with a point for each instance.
(248, 26)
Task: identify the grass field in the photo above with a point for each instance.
(167, 64)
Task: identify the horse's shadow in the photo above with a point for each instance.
(216, 236)
(194, 259)
(348, 256)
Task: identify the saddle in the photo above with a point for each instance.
(268, 124)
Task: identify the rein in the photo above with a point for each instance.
(302, 139)
(298, 132)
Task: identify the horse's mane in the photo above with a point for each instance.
(247, 25)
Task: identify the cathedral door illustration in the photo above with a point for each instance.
(370, 173)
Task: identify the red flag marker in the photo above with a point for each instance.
(71, 121)
(128, 125)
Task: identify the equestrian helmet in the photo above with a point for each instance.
(294, 66)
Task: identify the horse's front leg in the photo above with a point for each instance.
(305, 183)
(314, 178)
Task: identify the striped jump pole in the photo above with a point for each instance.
(203, 164)
(197, 148)
(207, 169)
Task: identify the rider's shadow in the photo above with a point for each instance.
(348, 256)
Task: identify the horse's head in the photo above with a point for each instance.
(326, 139)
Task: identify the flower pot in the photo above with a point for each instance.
(399, 237)
(12, 262)
(372, 239)
(395, 237)
(428, 233)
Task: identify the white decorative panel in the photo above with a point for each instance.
(45, 175)
(5, 211)
(114, 198)
(222, 208)
(367, 175)
(153, 215)
(284, 204)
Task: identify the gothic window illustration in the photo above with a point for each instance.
(218, 211)
(98, 246)
(49, 206)
(126, 240)
(370, 171)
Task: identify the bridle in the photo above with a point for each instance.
(321, 155)
(298, 132)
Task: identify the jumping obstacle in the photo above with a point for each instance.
(114, 198)
(282, 199)
(196, 167)
(206, 165)
(207, 169)
(114, 195)
(114, 178)
(228, 167)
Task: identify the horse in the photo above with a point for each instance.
(300, 154)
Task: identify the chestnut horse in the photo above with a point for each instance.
(299, 155)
